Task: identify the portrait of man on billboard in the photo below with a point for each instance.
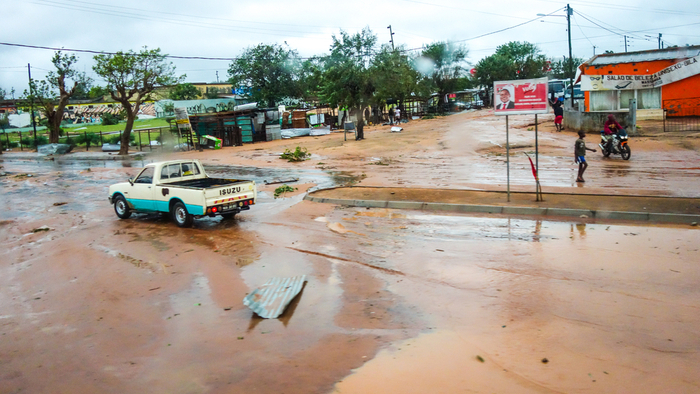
(505, 96)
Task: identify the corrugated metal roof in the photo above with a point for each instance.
(271, 299)
(645, 56)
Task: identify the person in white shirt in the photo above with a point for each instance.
(397, 115)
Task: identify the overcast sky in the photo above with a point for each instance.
(217, 28)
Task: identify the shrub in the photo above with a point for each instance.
(30, 143)
(109, 119)
(87, 139)
(299, 154)
(114, 139)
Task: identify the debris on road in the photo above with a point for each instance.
(396, 129)
(271, 299)
(53, 149)
(274, 181)
(42, 228)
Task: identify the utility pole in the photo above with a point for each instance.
(31, 94)
(594, 47)
(570, 12)
(659, 40)
(625, 43)
(391, 34)
(217, 76)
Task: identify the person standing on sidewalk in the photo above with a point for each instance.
(580, 155)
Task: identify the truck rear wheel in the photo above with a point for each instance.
(180, 215)
(121, 207)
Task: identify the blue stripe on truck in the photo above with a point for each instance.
(162, 206)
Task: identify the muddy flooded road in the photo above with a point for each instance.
(396, 301)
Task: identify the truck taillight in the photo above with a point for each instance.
(215, 209)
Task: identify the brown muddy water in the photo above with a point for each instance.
(396, 301)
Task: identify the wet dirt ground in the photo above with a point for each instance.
(396, 301)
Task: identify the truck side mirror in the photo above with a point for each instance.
(131, 181)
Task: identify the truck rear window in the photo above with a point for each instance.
(179, 170)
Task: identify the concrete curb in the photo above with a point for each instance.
(525, 211)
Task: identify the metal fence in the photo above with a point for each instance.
(682, 115)
(142, 138)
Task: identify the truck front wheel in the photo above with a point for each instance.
(121, 208)
(180, 215)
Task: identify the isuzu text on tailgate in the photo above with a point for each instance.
(182, 189)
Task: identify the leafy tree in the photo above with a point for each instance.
(268, 70)
(346, 80)
(213, 92)
(131, 77)
(98, 92)
(393, 75)
(514, 60)
(184, 91)
(560, 68)
(4, 124)
(3, 93)
(51, 95)
(308, 79)
(444, 68)
(4, 121)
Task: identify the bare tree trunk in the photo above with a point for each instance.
(54, 126)
(126, 136)
(360, 124)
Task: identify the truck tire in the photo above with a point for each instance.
(121, 207)
(180, 215)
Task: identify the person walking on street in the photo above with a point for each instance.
(558, 114)
(580, 155)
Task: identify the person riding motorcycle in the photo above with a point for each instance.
(611, 127)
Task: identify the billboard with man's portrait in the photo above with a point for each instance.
(522, 96)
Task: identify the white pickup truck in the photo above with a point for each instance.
(182, 189)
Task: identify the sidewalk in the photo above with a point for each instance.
(639, 208)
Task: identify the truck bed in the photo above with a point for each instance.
(205, 183)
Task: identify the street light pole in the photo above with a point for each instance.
(569, 11)
(391, 34)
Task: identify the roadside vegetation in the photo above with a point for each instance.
(298, 154)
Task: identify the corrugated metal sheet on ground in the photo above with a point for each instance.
(271, 299)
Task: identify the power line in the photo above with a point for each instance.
(623, 32)
(179, 22)
(624, 7)
(114, 53)
(189, 16)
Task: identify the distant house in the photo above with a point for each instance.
(220, 89)
(664, 79)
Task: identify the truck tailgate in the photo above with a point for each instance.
(239, 191)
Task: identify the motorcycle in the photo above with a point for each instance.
(617, 145)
